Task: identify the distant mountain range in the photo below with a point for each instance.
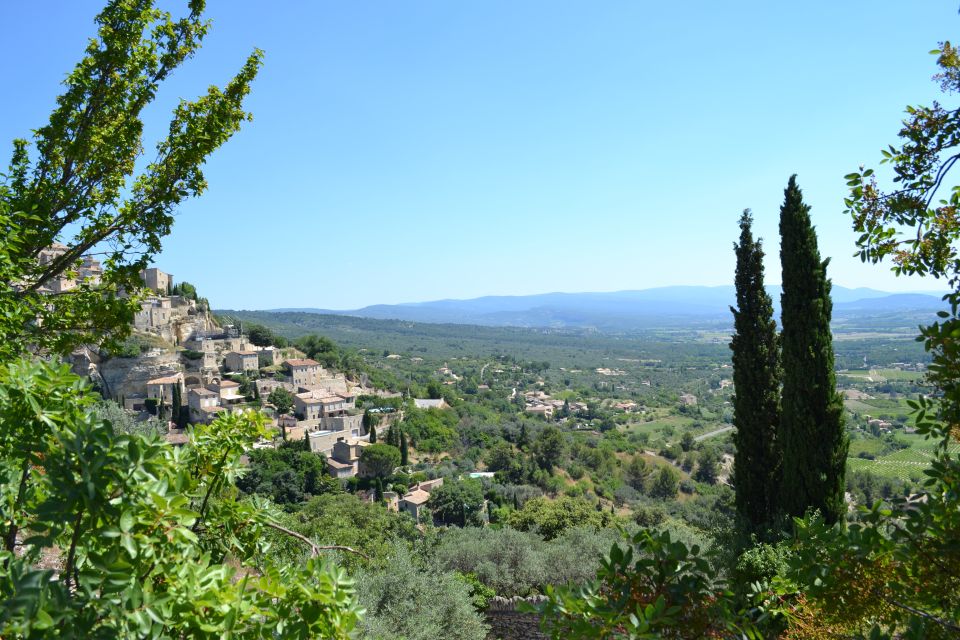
(621, 310)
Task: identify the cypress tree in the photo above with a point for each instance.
(177, 406)
(812, 436)
(373, 435)
(404, 453)
(756, 380)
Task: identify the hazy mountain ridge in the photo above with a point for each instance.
(618, 310)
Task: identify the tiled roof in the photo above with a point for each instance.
(303, 362)
(167, 380)
(202, 392)
(418, 496)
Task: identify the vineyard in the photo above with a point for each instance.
(906, 464)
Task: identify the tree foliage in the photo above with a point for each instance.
(458, 502)
(140, 532)
(811, 421)
(756, 377)
(281, 399)
(74, 183)
(407, 601)
(652, 587)
(550, 518)
(379, 460)
(288, 475)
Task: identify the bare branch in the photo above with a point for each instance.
(315, 548)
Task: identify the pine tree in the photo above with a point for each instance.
(756, 378)
(812, 436)
(404, 453)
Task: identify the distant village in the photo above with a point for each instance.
(192, 370)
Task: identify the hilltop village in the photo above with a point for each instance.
(186, 369)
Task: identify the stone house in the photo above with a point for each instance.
(414, 501)
(345, 459)
(242, 361)
(543, 410)
(160, 282)
(204, 404)
(162, 388)
(227, 391)
(304, 371)
(153, 314)
(311, 405)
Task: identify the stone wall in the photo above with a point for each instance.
(506, 623)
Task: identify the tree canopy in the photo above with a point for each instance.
(812, 436)
(75, 182)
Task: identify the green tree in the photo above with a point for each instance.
(707, 466)
(74, 182)
(139, 528)
(652, 587)
(687, 441)
(281, 399)
(263, 337)
(379, 460)
(550, 518)
(288, 474)
(637, 472)
(904, 554)
(179, 416)
(373, 434)
(813, 439)
(758, 463)
(550, 447)
(404, 450)
(664, 483)
(407, 601)
(458, 502)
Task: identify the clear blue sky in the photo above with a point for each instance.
(408, 151)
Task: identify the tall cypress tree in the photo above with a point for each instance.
(404, 451)
(812, 436)
(756, 378)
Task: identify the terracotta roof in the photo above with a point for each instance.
(202, 392)
(228, 383)
(307, 398)
(418, 496)
(302, 362)
(244, 353)
(211, 409)
(335, 464)
(167, 380)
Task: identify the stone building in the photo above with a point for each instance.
(242, 361)
(160, 282)
(304, 371)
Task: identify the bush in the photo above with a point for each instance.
(407, 601)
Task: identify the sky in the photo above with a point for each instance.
(421, 150)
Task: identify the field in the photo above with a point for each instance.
(905, 464)
(882, 375)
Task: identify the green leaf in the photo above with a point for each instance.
(126, 521)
